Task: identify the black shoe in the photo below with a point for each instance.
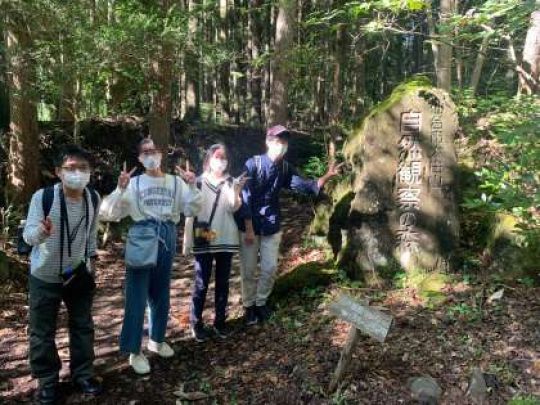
(250, 316)
(48, 395)
(221, 330)
(263, 313)
(199, 332)
(90, 386)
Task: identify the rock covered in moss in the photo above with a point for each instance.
(403, 213)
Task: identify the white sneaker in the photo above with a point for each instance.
(139, 363)
(163, 349)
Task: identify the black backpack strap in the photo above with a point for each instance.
(47, 200)
(285, 168)
(93, 197)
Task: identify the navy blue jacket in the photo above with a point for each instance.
(261, 193)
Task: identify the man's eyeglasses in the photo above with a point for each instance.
(148, 152)
(82, 168)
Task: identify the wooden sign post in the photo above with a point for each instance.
(362, 318)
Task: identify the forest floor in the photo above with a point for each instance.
(290, 360)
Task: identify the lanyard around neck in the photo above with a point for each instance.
(64, 226)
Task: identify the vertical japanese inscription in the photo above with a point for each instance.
(409, 180)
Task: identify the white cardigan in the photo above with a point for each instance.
(227, 234)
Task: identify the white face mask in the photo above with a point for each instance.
(151, 162)
(76, 180)
(276, 150)
(218, 165)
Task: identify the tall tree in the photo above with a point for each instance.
(280, 66)
(24, 155)
(531, 56)
(162, 74)
(255, 76)
(442, 49)
(191, 64)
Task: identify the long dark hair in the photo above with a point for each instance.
(210, 152)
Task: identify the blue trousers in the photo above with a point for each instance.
(203, 270)
(150, 287)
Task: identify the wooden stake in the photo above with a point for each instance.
(345, 359)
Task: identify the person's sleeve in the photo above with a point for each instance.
(117, 205)
(190, 198)
(234, 201)
(33, 232)
(92, 243)
(299, 184)
(188, 236)
(244, 212)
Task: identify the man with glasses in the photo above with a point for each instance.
(61, 227)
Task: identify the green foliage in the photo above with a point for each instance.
(463, 311)
(524, 399)
(315, 167)
(504, 158)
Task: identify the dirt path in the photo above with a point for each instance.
(15, 380)
(290, 359)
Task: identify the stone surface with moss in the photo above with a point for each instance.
(364, 207)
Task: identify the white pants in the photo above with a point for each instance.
(256, 290)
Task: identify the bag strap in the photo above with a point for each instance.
(47, 200)
(214, 207)
(137, 196)
(174, 195)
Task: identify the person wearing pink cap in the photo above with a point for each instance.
(260, 219)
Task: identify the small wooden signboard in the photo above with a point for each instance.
(362, 318)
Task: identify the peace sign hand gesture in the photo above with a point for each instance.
(334, 169)
(240, 182)
(188, 176)
(125, 176)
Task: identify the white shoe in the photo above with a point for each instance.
(139, 363)
(163, 349)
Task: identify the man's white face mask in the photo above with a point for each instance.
(276, 149)
(75, 179)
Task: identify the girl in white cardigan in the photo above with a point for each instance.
(216, 238)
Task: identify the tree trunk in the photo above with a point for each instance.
(224, 69)
(444, 56)
(24, 156)
(278, 112)
(269, 39)
(480, 58)
(64, 109)
(191, 67)
(531, 56)
(162, 75)
(256, 69)
(4, 95)
(359, 79)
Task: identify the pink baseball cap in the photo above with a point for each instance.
(277, 131)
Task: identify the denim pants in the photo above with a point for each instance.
(203, 271)
(257, 289)
(150, 287)
(45, 300)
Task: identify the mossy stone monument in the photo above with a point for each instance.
(403, 161)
